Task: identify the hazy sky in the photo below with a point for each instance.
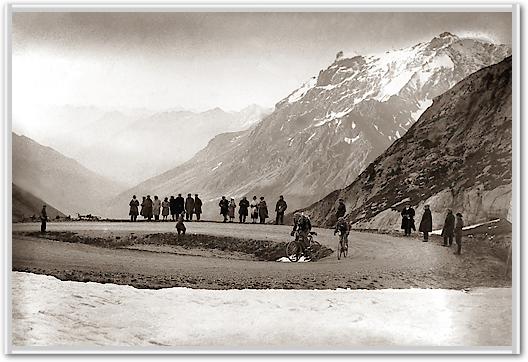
(204, 60)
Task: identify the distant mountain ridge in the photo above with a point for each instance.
(59, 180)
(458, 155)
(26, 205)
(323, 135)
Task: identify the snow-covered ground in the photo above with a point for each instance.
(50, 312)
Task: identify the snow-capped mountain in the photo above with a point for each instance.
(458, 155)
(323, 135)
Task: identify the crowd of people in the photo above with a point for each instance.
(452, 226)
(151, 209)
(256, 209)
(174, 206)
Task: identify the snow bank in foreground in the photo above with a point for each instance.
(47, 311)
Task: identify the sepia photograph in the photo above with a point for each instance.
(262, 179)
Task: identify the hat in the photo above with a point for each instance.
(458, 214)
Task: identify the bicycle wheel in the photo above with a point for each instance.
(293, 251)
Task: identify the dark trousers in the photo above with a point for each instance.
(458, 240)
(426, 235)
(133, 217)
(197, 216)
(156, 217)
(242, 218)
(262, 220)
(188, 216)
(448, 238)
(43, 226)
(407, 231)
(279, 218)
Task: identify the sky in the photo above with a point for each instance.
(204, 60)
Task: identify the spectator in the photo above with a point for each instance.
(280, 208)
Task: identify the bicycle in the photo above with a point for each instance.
(294, 249)
(342, 246)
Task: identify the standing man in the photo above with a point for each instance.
(426, 225)
(179, 202)
(224, 207)
(134, 208)
(458, 232)
(407, 220)
(280, 207)
(43, 219)
(147, 209)
(189, 207)
(341, 209)
(156, 207)
(197, 207)
(263, 210)
(449, 228)
(243, 209)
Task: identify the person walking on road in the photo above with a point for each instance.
(134, 208)
(231, 209)
(254, 209)
(459, 225)
(263, 210)
(280, 208)
(197, 207)
(449, 228)
(243, 206)
(156, 207)
(43, 219)
(165, 206)
(224, 207)
(426, 225)
(189, 207)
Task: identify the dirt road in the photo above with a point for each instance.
(375, 261)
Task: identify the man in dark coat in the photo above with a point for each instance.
(408, 220)
(189, 207)
(147, 208)
(180, 205)
(341, 209)
(172, 207)
(426, 225)
(134, 208)
(197, 207)
(243, 209)
(43, 219)
(449, 228)
(280, 207)
(263, 210)
(224, 207)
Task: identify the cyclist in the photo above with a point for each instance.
(344, 229)
(302, 225)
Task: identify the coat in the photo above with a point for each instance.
(449, 225)
(231, 209)
(147, 208)
(426, 225)
(408, 218)
(189, 205)
(254, 208)
(459, 225)
(142, 211)
(134, 205)
(243, 207)
(341, 210)
(172, 205)
(224, 205)
(263, 209)
(197, 205)
(281, 206)
(165, 206)
(156, 206)
(179, 203)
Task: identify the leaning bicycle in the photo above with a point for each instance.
(294, 250)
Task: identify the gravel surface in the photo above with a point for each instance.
(375, 261)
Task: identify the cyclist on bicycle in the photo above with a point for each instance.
(302, 225)
(344, 229)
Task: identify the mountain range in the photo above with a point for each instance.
(323, 135)
(26, 205)
(458, 155)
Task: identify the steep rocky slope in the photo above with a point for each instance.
(25, 205)
(458, 155)
(325, 133)
(61, 181)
